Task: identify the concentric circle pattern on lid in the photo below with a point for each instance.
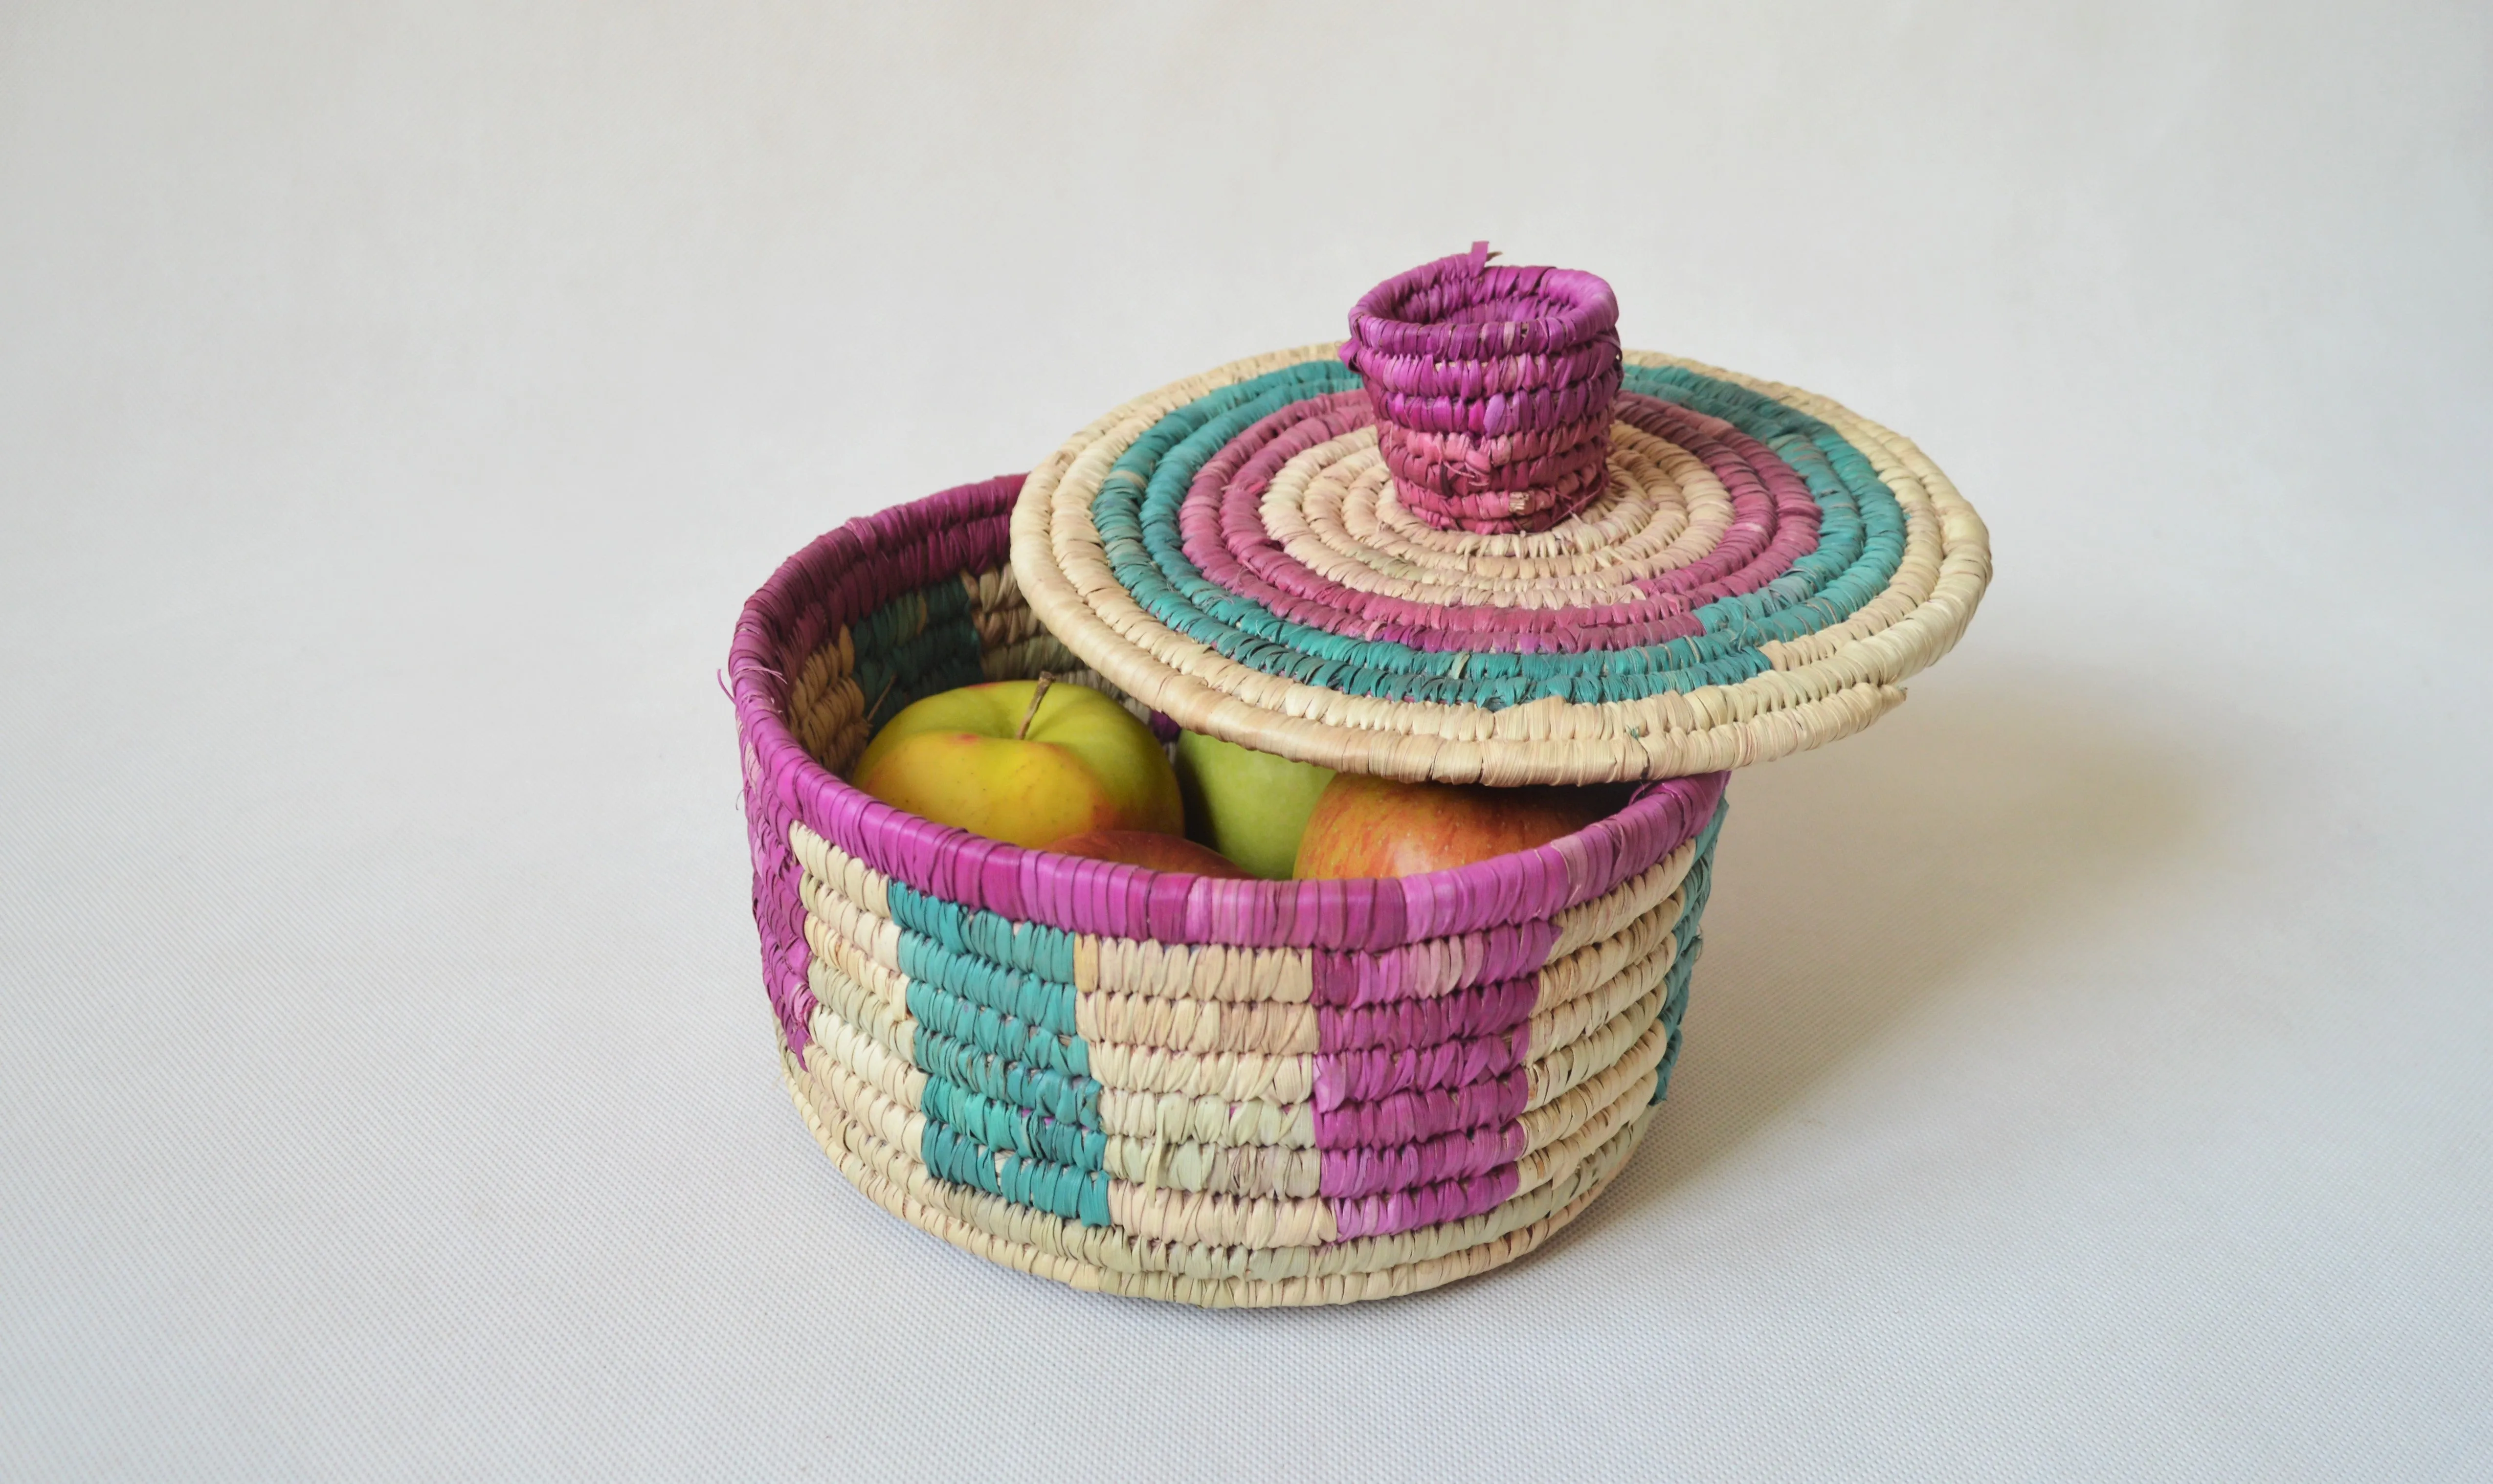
(1753, 574)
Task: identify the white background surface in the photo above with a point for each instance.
(2092, 1071)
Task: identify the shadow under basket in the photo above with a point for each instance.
(1217, 1092)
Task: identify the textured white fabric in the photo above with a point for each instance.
(2088, 1077)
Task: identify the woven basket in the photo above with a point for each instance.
(1477, 543)
(1213, 1092)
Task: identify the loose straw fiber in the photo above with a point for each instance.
(1339, 563)
(1216, 1092)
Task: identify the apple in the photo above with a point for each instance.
(1025, 761)
(1160, 853)
(1365, 826)
(1249, 806)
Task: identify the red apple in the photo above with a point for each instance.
(1027, 762)
(1366, 826)
(1160, 853)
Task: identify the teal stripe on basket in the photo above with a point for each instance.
(1001, 1125)
(1008, 1103)
(1061, 1190)
(1855, 559)
(1688, 943)
(966, 1020)
(918, 644)
(1068, 1097)
(1029, 946)
(1029, 1133)
(1043, 1003)
(1860, 545)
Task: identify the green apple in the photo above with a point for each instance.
(1248, 806)
(1024, 762)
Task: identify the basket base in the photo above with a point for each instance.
(1166, 1271)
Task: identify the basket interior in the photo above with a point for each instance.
(855, 628)
(973, 629)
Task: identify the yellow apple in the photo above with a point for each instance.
(1249, 806)
(1024, 762)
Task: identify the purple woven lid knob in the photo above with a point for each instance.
(1492, 387)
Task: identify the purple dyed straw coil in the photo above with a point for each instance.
(1494, 389)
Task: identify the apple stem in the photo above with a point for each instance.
(1037, 693)
(879, 698)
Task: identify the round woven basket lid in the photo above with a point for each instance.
(1478, 543)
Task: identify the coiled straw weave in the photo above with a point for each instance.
(1491, 389)
(1213, 1092)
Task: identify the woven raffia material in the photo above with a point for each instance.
(1491, 389)
(1273, 552)
(1213, 1091)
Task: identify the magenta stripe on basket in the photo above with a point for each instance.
(1375, 1072)
(1424, 1205)
(1130, 901)
(1371, 1172)
(1351, 978)
(1420, 1073)
(1483, 1009)
(1424, 1112)
(1415, 1091)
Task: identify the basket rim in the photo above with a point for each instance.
(1114, 899)
(1583, 308)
